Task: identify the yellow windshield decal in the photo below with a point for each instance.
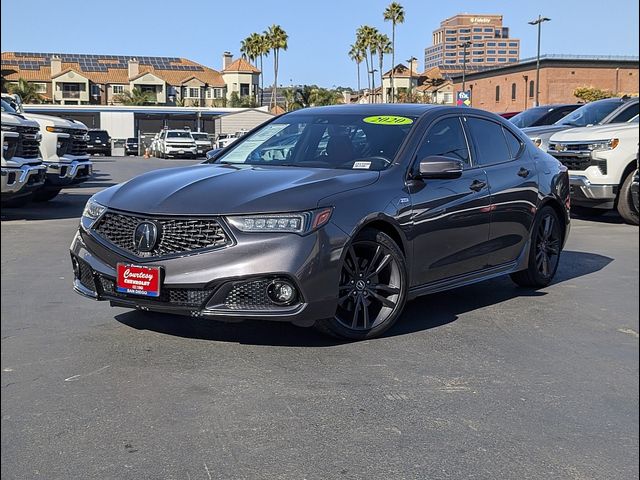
(387, 120)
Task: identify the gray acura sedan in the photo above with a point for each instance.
(330, 217)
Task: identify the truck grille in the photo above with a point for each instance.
(175, 235)
(78, 145)
(28, 144)
(575, 162)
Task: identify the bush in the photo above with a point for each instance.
(591, 94)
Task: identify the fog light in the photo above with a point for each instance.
(281, 292)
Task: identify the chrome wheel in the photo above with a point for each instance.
(371, 286)
(548, 240)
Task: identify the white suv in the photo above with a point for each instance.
(176, 143)
(601, 162)
(22, 169)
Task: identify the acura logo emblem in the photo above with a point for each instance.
(145, 236)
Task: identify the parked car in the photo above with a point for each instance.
(131, 146)
(99, 143)
(203, 142)
(600, 112)
(63, 149)
(543, 115)
(176, 143)
(601, 161)
(428, 198)
(22, 168)
(225, 139)
(508, 115)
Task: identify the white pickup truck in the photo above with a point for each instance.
(63, 149)
(22, 168)
(601, 161)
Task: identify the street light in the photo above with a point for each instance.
(464, 47)
(539, 21)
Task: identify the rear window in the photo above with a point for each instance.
(590, 113)
(200, 136)
(178, 135)
(336, 141)
(99, 134)
(490, 141)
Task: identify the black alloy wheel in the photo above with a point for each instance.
(544, 256)
(372, 288)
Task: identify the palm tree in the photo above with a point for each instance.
(395, 14)
(277, 40)
(135, 97)
(262, 50)
(383, 45)
(356, 54)
(26, 90)
(361, 42)
(369, 37)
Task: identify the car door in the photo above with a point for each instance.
(513, 186)
(450, 217)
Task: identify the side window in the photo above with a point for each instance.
(445, 138)
(490, 142)
(556, 115)
(513, 142)
(627, 114)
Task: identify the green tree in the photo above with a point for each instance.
(357, 55)
(276, 40)
(383, 45)
(590, 94)
(26, 90)
(394, 13)
(135, 97)
(367, 36)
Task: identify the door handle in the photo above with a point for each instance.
(477, 185)
(523, 172)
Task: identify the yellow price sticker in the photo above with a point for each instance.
(387, 120)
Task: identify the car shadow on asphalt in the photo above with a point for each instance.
(421, 314)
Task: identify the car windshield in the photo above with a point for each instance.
(528, 117)
(323, 141)
(7, 108)
(178, 135)
(101, 134)
(132, 140)
(589, 114)
(199, 136)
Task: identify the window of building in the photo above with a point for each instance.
(218, 92)
(491, 52)
(95, 90)
(450, 32)
(450, 54)
(477, 60)
(117, 89)
(477, 37)
(40, 87)
(532, 87)
(193, 92)
(478, 45)
(450, 39)
(445, 138)
(450, 47)
(491, 59)
(513, 44)
(465, 30)
(488, 30)
(491, 44)
(514, 91)
(449, 62)
(501, 59)
(513, 52)
(497, 93)
(502, 52)
(502, 44)
(447, 97)
(513, 60)
(490, 142)
(465, 37)
(477, 52)
(477, 29)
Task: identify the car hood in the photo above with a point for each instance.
(544, 131)
(230, 189)
(595, 132)
(56, 121)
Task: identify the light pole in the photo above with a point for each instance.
(464, 47)
(539, 21)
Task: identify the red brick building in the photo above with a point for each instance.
(512, 88)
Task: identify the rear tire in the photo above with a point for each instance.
(544, 252)
(626, 209)
(372, 289)
(45, 195)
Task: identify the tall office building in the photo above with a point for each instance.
(490, 45)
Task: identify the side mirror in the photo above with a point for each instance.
(437, 166)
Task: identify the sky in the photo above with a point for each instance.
(320, 32)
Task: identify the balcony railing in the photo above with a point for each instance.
(74, 94)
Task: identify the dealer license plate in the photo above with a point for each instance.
(138, 280)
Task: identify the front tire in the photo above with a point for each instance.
(544, 252)
(626, 209)
(372, 289)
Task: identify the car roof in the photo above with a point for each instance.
(413, 109)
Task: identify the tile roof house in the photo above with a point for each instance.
(77, 79)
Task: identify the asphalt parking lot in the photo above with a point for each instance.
(488, 381)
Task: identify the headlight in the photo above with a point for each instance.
(55, 129)
(299, 222)
(92, 210)
(604, 144)
(9, 128)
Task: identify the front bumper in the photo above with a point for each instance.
(18, 181)
(60, 174)
(181, 152)
(103, 149)
(587, 194)
(208, 284)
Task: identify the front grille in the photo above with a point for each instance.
(180, 145)
(28, 144)
(575, 162)
(183, 297)
(78, 145)
(176, 235)
(250, 295)
(85, 275)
